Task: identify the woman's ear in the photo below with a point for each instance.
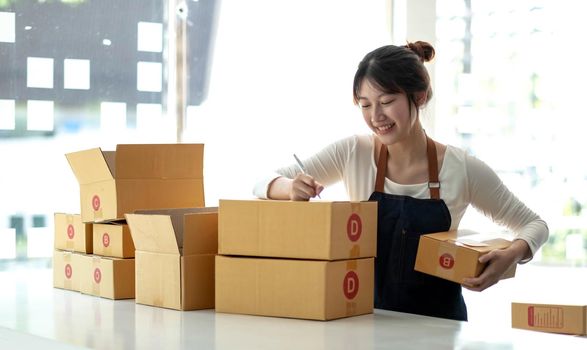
(421, 98)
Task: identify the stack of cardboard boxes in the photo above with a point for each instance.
(73, 238)
(112, 184)
(310, 260)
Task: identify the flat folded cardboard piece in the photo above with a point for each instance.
(66, 270)
(454, 255)
(138, 177)
(175, 251)
(113, 239)
(320, 230)
(306, 289)
(106, 277)
(552, 318)
(72, 234)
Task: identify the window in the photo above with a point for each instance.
(508, 93)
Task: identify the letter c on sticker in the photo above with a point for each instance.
(68, 271)
(96, 202)
(97, 275)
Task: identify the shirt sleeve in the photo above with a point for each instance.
(327, 166)
(491, 197)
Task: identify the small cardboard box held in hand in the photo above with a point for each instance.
(175, 251)
(307, 289)
(72, 234)
(552, 318)
(454, 255)
(301, 230)
(138, 177)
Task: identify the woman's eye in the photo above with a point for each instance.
(387, 102)
(365, 106)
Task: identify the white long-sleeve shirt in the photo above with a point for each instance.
(464, 180)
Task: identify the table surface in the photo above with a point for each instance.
(35, 315)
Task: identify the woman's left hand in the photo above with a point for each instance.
(498, 262)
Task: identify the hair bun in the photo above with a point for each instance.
(423, 49)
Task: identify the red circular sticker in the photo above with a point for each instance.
(354, 227)
(97, 275)
(68, 271)
(96, 202)
(106, 240)
(70, 231)
(446, 261)
(350, 285)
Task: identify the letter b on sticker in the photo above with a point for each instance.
(354, 227)
(446, 261)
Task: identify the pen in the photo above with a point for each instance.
(302, 168)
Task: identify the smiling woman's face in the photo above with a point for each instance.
(387, 115)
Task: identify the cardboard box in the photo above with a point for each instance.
(66, 270)
(106, 277)
(175, 251)
(553, 318)
(454, 255)
(113, 239)
(71, 234)
(291, 229)
(138, 177)
(307, 289)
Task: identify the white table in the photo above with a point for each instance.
(33, 313)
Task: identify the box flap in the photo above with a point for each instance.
(89, 166)
(152, 233)
(177, 219)
(200, 233)
(471, 239)
(167, 161)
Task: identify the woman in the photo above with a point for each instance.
(421, 186)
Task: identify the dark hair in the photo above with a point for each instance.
(397, 69)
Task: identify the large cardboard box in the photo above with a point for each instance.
(292, 229)
(66, 270)
(454, 255)
(138, 177)
(113, 239)
(175, 251)
(106, 277)
(72, 234)
(553, 318)
(308, 289)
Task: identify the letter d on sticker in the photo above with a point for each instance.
(354, 227)
(350, 285)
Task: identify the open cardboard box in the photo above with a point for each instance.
(138, 177)
(322, 230)
(72, 234)
(552, 318)
(307, 289)
(454, 255)
(175, 251)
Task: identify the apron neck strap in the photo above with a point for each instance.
(381, 165)
(433, 183)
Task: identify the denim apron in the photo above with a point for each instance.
(401, 221)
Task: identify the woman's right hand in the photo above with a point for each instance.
(303, 187)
